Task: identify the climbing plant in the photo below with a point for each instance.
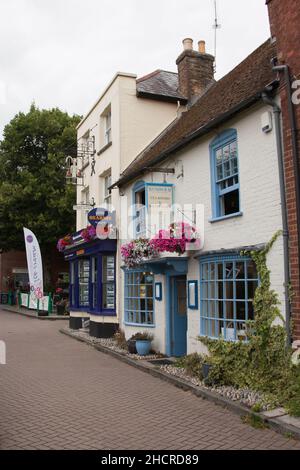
(263, 363)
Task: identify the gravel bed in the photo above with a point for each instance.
(111, 344)
(246, 397)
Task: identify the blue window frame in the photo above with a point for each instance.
(93, 284)
(139, 298)
(227, 288)
(225, 175)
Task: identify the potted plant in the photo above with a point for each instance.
(143, 343)
(131, 345)
(61, 307)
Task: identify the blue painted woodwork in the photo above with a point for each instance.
(227, 288)
(224, 171)
(93, 252)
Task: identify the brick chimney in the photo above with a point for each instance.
(195, 70)
(284, 22)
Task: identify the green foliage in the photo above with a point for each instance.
(263, 363)
(293, 404)
(257, 408)
(142, 336)
(192, 365)
(33, 190)
(255, 421)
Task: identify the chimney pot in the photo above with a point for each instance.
(202, 47)
(187, 44)
(195, 70)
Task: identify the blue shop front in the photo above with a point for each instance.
(93, 285)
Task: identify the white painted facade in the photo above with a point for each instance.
(134, 123)
(260, 205)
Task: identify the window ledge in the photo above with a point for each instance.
(103, 149)
(226, 217)
(140, 325)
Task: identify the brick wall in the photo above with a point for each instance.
(195, 73)
(8, 262)
(17, 259)
(285, 27)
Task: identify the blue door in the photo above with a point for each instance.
(179, 316)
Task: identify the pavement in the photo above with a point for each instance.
(57, 393)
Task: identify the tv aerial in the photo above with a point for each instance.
(216, 27)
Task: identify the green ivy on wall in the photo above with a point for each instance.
(263, 363)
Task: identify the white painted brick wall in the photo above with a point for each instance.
(260, 201)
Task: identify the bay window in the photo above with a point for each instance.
(228, 287)
(139, 298)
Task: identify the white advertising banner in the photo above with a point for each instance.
(34, 262)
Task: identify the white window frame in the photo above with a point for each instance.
(107, 134)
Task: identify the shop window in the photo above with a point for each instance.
(83, 282)
(228, 287)
(94, 283)
(139, 298)
(72, 284)
(108, 283)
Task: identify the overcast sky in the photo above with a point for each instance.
(63, 52)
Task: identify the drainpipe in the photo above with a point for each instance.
(285, 69)
(277, 118)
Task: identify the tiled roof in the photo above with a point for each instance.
(160, 85)
(238, 90)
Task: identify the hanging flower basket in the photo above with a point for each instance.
(173, 241)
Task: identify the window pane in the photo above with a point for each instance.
(233, 149)
(230, 203)
(229, 270)
(226, 153)
(229, 310)
(220, 174)
(226, 167)
(205, 272)
(240, 270)
(220, 271)
(250, 311)
(205, 290)
(219, 156)
(251, 270)
(241, 290)
(83, 280)
(229, 290)
(252, 286)
(241, 310)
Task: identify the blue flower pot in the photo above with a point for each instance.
(143, 347)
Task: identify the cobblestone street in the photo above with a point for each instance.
(57, 393)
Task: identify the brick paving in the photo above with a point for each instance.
(57, 393)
